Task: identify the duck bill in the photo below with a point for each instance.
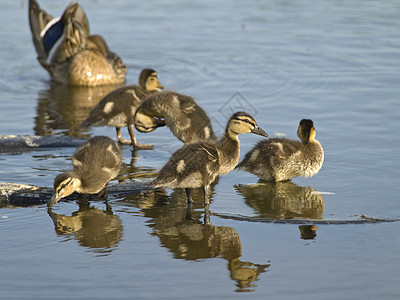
(159, 86)
(53, 200)
(259, 131)
(159, 122)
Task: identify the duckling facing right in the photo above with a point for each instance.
(95, 163)
(186, 119)
(198, 164)
(280, 159)
(69, 53)
(118, 107)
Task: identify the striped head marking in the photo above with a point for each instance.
(144, 123)
(64, 185)
(242, 122)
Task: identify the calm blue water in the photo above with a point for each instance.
(332, 61)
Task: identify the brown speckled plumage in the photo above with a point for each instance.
(185, 118)
(198, 164)
(95, 163)
(118, 107)
(279, 159)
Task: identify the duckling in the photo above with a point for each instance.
(186, 119)
(69, 53)
(279, 159)
(95, 163)
(118, 108)
(198, 164)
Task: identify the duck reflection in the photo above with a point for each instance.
(181, 230)
(285, 200)
(99, 230)
(63, 108)
(131, 172)
(308, 232)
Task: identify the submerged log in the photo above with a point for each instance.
(17, 143)
(15, 194)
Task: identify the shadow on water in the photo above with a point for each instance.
(63, 108)
(285, 201)
(181, 229)
(97, 229)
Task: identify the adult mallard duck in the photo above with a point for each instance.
(198, 164)
(69, 53)
(186, 119)
(95, 163)
(118, 107)
(280, 159)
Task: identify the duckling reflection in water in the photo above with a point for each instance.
(279, 159)
(191, 240)
(197, 165)
(308, 232)
(118, 108)
(185, 118)
(69, 53)
(95, 163)
(62, 107)
(283, 200)
(92, 227)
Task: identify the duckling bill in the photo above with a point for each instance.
(69, 53)
(95, 163)
(198, 164)
(118, 108)
(280, 159)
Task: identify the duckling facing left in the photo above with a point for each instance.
(280, 159)
(198, 164)
(95, 163)
(118, 107)
(184, 117)
(69, 53)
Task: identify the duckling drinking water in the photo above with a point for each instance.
(95, 163)
(69, 53)
(280, 159)
(198, 164)
(118, 108)
(186, 119)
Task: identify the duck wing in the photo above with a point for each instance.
(38, 19)
(193, 165)
(269, 153)
(280, 148)
(57, 39)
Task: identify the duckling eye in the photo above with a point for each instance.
(249, 122)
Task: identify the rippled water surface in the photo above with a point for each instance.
(336, 62)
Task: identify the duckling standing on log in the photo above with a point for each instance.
(118, 107)
(185, 118)
(280, 159)
(198, 164)
(95, 163)
(69, 53)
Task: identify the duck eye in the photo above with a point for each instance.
(249, 122)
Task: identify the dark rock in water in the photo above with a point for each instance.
(12, 143)
(15, 194)
(23, 194)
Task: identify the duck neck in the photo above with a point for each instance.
(229, 151)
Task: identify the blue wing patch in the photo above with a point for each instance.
(52, 35)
